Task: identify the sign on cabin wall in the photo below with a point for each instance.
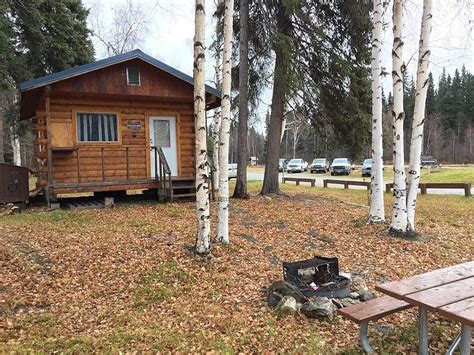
(134, 126)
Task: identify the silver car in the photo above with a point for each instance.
(232, 171)
(319, 165)
(296, 166)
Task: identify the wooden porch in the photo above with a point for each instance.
(181, 187)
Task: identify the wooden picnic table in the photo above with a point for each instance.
(448, 292)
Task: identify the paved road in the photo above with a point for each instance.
(355, 176)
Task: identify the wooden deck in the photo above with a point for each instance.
(65, 188)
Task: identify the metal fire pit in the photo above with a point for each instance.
(321, 272)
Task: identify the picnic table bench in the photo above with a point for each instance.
(346, 183)
(363, 313)
(436, 185)
(300, 179)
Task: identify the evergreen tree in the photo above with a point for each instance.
(38, 37)
(51, 36)
(430, 97)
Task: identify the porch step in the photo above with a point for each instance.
(178, 187)
(184, 188)
(185, 195)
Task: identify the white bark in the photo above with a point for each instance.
(216, 126)
(399, 211)
(15, 141)
(203, 241)
(422, 83)
(377, 213)
(283, 129)
(223, 214)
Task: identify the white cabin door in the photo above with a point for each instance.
(163, 134)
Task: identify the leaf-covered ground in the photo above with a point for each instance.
(124, 279)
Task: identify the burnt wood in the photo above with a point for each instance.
(374, 309)
(399, 289)
(462, 311)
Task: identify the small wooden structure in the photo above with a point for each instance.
(312, 181)
(13, 183)
(346, 183)
(121, 123)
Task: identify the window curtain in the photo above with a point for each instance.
(97, 127)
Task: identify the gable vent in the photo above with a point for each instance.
(133, 76)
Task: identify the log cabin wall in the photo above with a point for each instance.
(89, 162)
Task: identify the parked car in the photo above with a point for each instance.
(320, 165)
(281, 165)
(232, 171)
(367, 167)
(296, 166)
(341, 166)
(428, 162)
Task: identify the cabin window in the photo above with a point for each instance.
(133, 76)
(97, 127)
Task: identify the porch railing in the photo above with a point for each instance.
(163, 174)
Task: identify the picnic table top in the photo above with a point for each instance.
(449, 291)
(462, 311)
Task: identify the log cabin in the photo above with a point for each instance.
(117, 124)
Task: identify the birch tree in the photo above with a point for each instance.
(223, 216)
(216, 126)
(422, 83)
(377, 213)
(203, 240)
(399, 211)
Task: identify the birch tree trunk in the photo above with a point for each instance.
(15, 140)
(422, 83)
(399, 211)
(223, 214)
(240, 190)
(216, 127)
(377, 213)
(203, 240)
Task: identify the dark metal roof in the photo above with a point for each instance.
(86, 68)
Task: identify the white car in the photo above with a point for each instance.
(296, 166)
(340, 166)
(232, 171)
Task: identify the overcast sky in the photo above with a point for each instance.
(171, 30)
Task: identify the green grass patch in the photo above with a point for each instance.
(158, 285)
(448, 175)
(69, 219)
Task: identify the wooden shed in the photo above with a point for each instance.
(117, 124)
